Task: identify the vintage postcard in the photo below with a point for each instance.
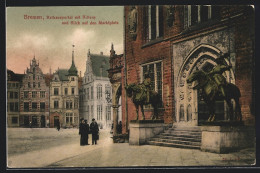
(130, 86)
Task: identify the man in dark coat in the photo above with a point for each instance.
(82, 131)
(94, 130)
(86, 132)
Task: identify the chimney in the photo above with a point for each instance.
(101, 53)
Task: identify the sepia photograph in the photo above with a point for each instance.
(130, 86)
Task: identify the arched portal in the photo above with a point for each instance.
(189, 106)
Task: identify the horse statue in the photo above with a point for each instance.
(139, 98)
(211, 93)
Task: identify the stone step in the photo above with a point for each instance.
(183, 132)
(176, 141)
(182, 135)
(187, 128)
(172, 145)
(188, 138)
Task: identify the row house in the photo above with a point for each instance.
(13, 98)
(34, 98)
(96, 91)
(64, 97)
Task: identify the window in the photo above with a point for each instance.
(26, 94)
(29, 85)
(99, 91)
(155, 71)
(66, 91)
(11, 95)
(69, 118)
(99, 112)
(56, 104)
(26, 106)
(72, 79)
(17, 85)
(34, 94)
(34, 84)
(200, 13)
(14, 120)
(153, 22)
(34, 106)
(92, 92)
(39, 84)
(16, 95)
(56, 91)
(108, 93)
(87, 110)
(42, 94)
(11, 106)
(72, 91)
(92, 111)
(108, 112)
(68, 104)
(88, 93)
(42, 106)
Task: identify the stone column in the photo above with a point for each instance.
(115, 119)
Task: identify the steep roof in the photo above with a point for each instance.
(100, 62)
(63, 74)
(73, 70)
(11, 76)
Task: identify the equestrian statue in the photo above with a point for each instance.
(142, 94)
(213, 86)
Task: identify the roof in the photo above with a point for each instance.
(100, 62)
(73, 70)
(11, 76)
(63, 74)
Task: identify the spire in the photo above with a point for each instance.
(73, 70)
(112, 52)
(73, 53)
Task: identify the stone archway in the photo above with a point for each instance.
(187, 98)
(116, 94)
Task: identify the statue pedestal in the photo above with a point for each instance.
(142, 130)
(224, 139)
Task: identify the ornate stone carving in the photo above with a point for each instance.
(170, 15)
(132, 22)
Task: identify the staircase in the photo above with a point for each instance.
(179, 137)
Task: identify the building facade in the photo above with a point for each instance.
(96, 92)
(13, 97)
(171, 41)
(64, 97)
(34, 98)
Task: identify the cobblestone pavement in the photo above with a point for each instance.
(52, 154)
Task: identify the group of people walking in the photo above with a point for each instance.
(85, 129)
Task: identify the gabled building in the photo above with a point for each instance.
(34, 97)
(13, 97)
(64, 97)
(96, 92)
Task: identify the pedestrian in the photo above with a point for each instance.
(81, 132)
(30, 124)
(119, 128)
(58, 125)
(94, 130)
(86, 132)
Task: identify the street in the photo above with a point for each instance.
(49, 148)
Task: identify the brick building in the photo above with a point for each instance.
(171, 41)
(34, 97)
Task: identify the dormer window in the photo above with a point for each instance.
(72, 79)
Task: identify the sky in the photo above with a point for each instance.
(51, 42)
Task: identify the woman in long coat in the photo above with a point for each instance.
(82, 132)
(94, 130)
(86, 132)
